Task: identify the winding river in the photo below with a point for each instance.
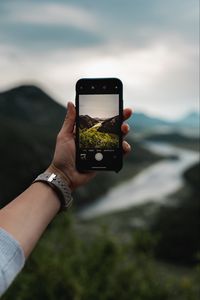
(154, 183)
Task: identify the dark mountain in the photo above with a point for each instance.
(30, 120)
(110, 125)
(29, 104)
(86, 121)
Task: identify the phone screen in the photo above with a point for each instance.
(98, 127)
(99, 122)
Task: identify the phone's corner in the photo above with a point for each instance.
(119, 167)
(78, 83)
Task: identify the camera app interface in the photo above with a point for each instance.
(98, 125)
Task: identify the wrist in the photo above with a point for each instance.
(51, 194)
(58, 184)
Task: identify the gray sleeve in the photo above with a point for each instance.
(11, 259)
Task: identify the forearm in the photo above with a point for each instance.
(27, 216)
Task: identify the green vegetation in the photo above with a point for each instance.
(178, 225)
(97, 266)
(93, 138)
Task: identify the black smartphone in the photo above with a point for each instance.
(99, 115)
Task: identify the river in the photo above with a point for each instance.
(154, 183)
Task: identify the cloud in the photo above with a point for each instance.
(56, 14)
(151, 47)
(130, 22)
(46, 26)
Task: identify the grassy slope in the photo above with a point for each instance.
(93, 138)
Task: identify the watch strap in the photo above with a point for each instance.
(59, 186)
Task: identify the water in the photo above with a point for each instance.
(154, 183)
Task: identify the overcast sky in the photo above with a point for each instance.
(99, 106)
(152, 46)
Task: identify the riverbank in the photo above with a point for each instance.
(139, 159)
(152, 184)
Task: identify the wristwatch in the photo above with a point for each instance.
(59, 186)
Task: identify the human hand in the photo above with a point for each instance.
(63, 162)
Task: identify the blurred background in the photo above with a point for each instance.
(132, 235)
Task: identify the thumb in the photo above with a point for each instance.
(69, 121)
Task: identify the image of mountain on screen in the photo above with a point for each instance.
(97, 132)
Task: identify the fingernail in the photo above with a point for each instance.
(128, 147)
(70, 104)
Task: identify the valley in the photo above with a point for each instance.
(98, 133)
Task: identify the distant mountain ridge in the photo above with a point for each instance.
(188, 123)
(141, 120)
(191, 120)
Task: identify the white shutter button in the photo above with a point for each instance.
(98, 156)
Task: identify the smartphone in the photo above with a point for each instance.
(99, 116)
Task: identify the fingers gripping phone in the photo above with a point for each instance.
(99, 115)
